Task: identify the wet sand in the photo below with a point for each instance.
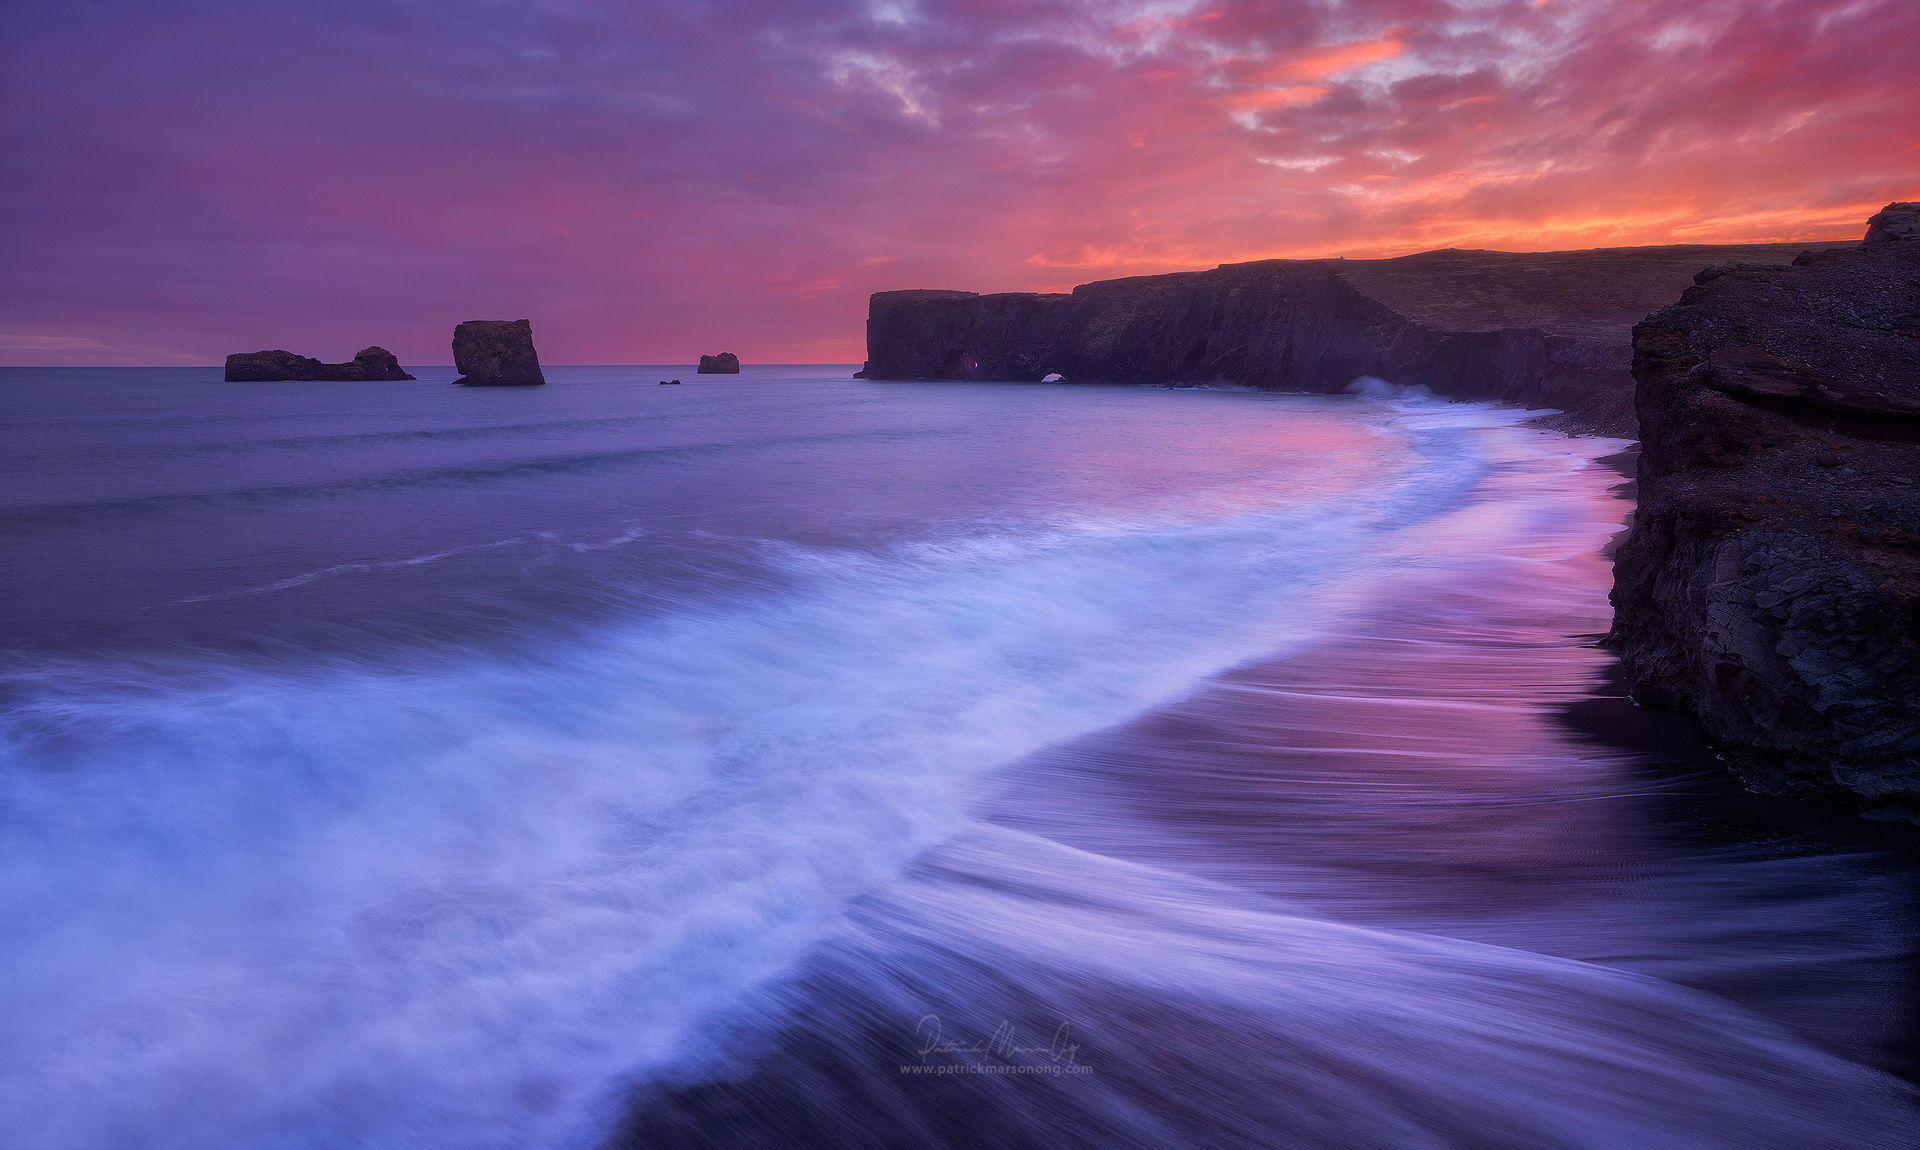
(1434, 880)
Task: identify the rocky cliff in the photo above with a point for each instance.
(267, 366)
(1543, 330)
(1771, 581)
(496, 353)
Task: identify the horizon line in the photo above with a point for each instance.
(448, 366)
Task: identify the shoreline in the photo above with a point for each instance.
(1349, 784)
(1344, 797)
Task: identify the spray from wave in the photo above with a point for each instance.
(1373, 387)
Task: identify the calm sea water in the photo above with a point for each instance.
(785, 759)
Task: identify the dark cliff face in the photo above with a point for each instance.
(1545, 330)
(265, 366)
(1771, 581)
(726, 363)
(496, 353)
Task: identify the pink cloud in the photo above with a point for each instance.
(651, 181)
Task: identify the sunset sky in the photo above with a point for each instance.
(649, 181)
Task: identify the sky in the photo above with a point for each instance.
(651, 181)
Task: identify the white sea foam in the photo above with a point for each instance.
(1373, 387)
(451, 899)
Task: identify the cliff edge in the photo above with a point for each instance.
(1545, 329)
(1771, 581)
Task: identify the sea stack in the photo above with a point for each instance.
(1771, 581)
(373, 363)
(496, 353)
(726, 363)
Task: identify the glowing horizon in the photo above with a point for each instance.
(650, 182)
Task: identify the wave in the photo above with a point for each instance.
(1144, 1007)
(306, 577)
(430, 435)
(464, 474)
(1373, 387)
(460, 892)
(721, 851)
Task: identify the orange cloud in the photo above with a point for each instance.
(1263, 98)
(1322, 62)
(194, 184)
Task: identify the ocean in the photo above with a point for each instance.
(785, 759)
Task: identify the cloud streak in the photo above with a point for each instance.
(649, 181)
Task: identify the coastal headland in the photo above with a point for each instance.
(1549, 329)
(1770, 583)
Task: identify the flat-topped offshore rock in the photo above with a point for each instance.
(1771, 581)
(496, 353)
(371, 363)
(726, 363)
(1548, 329)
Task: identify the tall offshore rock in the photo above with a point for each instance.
(1771, 580)
(496, 353)
(726, 363)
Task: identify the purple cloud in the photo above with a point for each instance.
(649, 181)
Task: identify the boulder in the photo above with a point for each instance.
(496, 353)
(373, 363)
(726, 363)
(1894, 222)
(1770, 583)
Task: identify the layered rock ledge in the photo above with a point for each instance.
(1771, 581)
(271, 366)
(1543, 330)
